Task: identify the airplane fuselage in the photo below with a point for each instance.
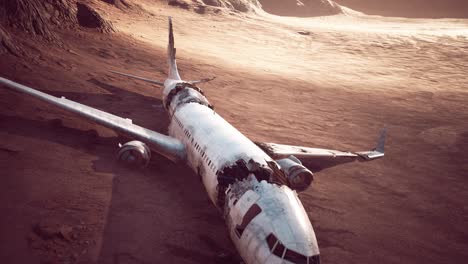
(266, 221)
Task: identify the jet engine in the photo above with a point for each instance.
(134, 154)
(299, 177)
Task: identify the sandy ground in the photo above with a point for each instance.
(335, 88)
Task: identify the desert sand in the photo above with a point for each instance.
(64, 199)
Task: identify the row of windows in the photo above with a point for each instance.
(197, 147)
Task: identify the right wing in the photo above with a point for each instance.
(165, 145)
(317, 159)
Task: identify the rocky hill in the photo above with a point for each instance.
(41, 18)
(301, 8)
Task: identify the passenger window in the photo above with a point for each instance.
(253, 211)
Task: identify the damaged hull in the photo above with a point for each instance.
(266, 221)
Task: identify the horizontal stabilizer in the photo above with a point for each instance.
(139, 78)
(202, 80)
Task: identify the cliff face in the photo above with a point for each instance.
(37, 17)
(239, 5)
(202, 6)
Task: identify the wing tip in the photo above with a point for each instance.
(378, 151)
(381, 142)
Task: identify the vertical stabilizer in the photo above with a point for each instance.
(171, 53)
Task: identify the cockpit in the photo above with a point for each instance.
(268, 224)
(278, 249)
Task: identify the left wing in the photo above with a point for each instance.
(167, 146)
(317, 159)
(159, 82)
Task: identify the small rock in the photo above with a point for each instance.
(61, 63)
(305, 33)
(66, 232)
(179, 3)
(45, 230)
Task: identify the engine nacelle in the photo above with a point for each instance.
(134, 154)
(299, 177)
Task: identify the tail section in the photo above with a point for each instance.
(171, 53)
(173, 72)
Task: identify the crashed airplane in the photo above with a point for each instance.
(253, 184)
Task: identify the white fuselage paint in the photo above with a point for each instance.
(211, 144)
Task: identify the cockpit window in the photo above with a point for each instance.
(292, 256)
(295, 257)
(314, 259)
(271, 241)
(279, 249)
(275, 245)
(253, 211)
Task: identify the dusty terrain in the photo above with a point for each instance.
(64, 199)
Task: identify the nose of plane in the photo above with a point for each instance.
(268, 224)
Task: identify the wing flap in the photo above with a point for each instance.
(164, 145)
(315, 159)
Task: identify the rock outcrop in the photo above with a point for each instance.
(42, 18)
(301, 8)
(90, 18)
(232, 5)
(118, 3)
(6, 43)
